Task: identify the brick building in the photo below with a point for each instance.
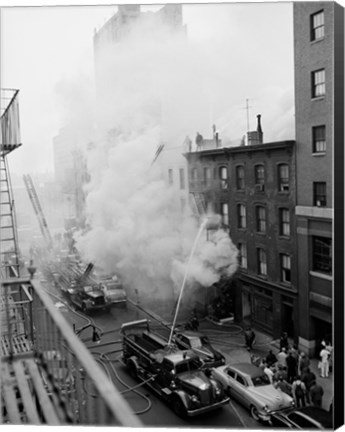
(253, 188)
(316, 81)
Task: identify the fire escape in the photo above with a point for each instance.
(48, 376)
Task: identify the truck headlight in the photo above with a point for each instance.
(265, 408)
(173, 384)
(195, 399)
(218, 391)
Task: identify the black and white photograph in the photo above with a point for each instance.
(172, 215)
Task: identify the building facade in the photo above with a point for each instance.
(253, 188)
(315, 83)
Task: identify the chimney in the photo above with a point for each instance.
(256, 137)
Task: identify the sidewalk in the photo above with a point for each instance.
(230, 340)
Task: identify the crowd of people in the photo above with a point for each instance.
(289, 370)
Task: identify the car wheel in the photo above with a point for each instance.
(254, 413)
(178, 407)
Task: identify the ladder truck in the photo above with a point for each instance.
(38, 210)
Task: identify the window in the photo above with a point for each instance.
(223, 175)
(231, 373)
(319, 139)
(240, 178)
(182, 182)
(171, 177)
(322, 254)
(262, 263)
(242, 247)
(207, 176)
(194, 174)
(259, 177)
(241, 380)
(224, 208)
(318, 83)
(317, 24)
(283, 178)
(285, 264)
(241, 216)
(261, 219)
(284, 219)
(319, 194)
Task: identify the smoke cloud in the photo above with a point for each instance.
(135, 224)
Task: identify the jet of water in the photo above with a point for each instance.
(202, 226)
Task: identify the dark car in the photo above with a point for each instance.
(309, 417)
(200, 344)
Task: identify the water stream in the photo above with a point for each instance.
(202, 226)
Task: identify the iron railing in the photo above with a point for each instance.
(75, 383)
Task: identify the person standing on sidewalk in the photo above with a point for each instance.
(281, 358)
(308, 377)
(284, 342)
(316, 393)
(291, 363)
(303, 363)
(249, 337)
(268, 371)
(324, 356)
(330, 358)
(299, 391)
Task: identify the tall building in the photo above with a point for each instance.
(316, 95)
(253, 188)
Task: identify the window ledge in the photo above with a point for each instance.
(319, 154)
(284, 237)
(318, 98)
(321, 275)
(315, 41)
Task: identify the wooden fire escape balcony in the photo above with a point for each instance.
(47, 375)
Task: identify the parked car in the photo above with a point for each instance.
(250, 386)
(309, 417)
(200, 344)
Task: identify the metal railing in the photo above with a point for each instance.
(73, 378)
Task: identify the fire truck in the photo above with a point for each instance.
(174, 375)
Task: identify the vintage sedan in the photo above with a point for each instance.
(309, 417)
(250, 386)
(200, 344)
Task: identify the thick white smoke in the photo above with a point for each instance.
(136, 227)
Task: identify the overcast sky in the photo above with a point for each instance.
(250, 46)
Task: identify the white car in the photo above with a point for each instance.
(250, 386)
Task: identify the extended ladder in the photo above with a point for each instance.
(38, 210)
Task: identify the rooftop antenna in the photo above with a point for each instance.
(247, 108)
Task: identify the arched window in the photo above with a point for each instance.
(241, 216)
(283, 178)
(259, 177)
(240, 181)
(223, 175)
(261, 219)
(224, 209)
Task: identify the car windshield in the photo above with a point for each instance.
(188, 366)
(260, 380)
(195, 342)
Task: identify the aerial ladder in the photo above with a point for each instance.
(38, 210)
